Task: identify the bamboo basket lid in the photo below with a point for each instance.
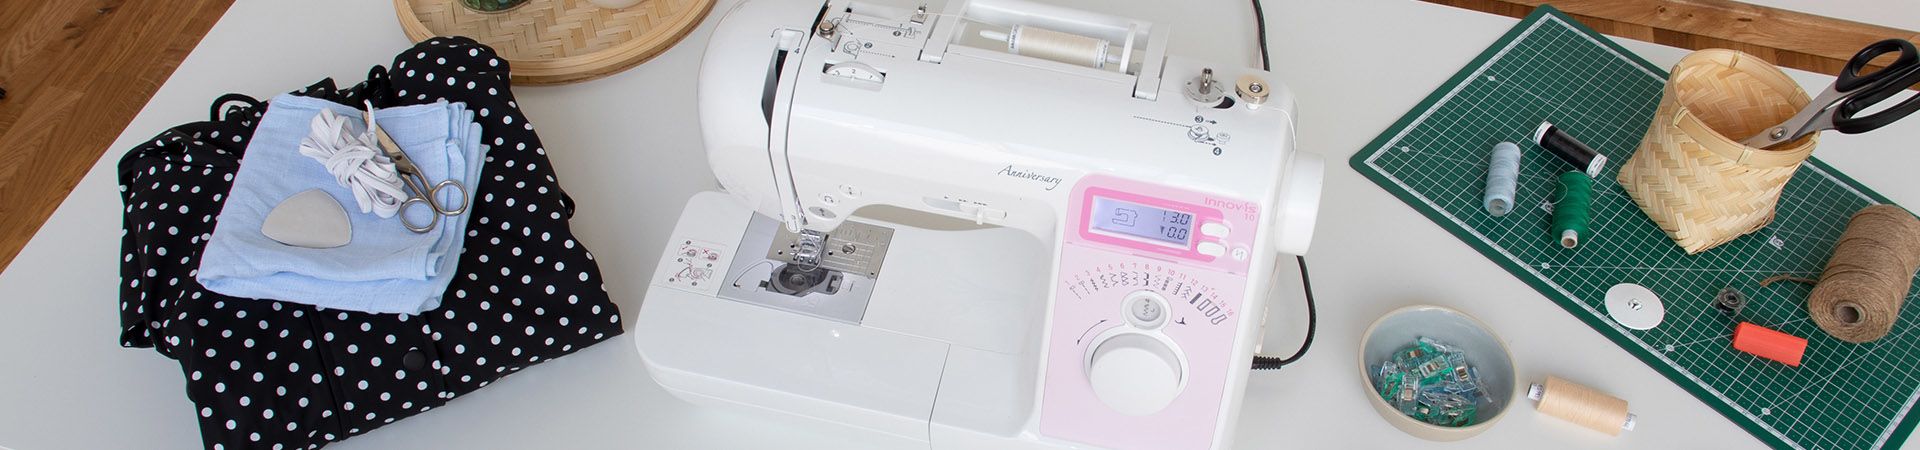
(560, 41)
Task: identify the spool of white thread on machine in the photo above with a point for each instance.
(1055, 46)
(1582, 405)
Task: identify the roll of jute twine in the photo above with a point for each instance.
(1858, 296)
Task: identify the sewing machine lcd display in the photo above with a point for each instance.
(1141, 222)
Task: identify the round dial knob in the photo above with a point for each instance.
(1134, 373)
(1145, 309)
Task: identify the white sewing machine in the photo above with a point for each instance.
(1120, 213)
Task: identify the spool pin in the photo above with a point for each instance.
(1582, 405)
(1569, 149)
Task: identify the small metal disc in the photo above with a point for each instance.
(1634, 306)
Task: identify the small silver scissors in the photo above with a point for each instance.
(1838, 107)
(417, 183)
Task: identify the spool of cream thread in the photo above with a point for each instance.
(1503, 175)
(1582, 405)
(1054, 45)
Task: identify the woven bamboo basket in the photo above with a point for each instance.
(1691, 175)
(560, 41)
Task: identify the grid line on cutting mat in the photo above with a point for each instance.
(1551, 68)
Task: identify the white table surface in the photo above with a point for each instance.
(627, 148)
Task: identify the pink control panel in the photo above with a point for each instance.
(1152, 282)
(1191, 232)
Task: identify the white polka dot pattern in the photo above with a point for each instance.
(267, 374)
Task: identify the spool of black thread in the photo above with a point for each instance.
(1569, 149)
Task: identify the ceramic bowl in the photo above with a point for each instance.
(1485, 352)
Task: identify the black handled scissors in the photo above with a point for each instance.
(1853, 92)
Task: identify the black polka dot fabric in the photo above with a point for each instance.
(273, 375)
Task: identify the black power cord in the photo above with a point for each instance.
(1261, 362)
(1260, 27)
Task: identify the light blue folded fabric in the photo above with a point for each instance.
(385, 268)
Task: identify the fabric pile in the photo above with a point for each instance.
(511, 289)
(385, 268)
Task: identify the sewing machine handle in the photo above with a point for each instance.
(1299, 204)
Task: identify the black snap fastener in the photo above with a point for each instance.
(414, 360)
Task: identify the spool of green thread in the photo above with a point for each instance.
(1572, 208)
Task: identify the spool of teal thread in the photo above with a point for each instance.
(1503, 176)
(1572, 208)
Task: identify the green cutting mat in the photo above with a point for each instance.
(1550, 67)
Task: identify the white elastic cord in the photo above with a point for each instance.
(355, 162)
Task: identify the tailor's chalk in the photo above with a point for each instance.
(1569, 149)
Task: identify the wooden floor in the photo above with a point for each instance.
(74, 72)
(1786, 38)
